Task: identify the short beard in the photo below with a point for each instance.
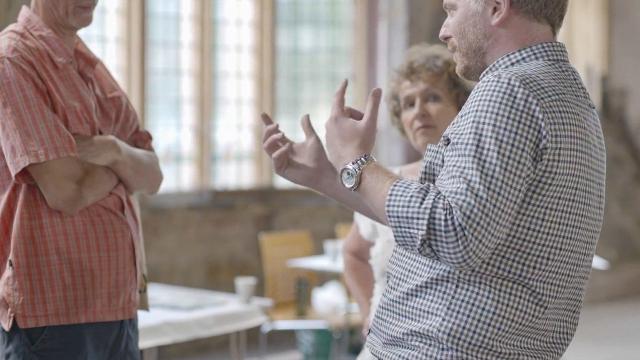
(472, 44)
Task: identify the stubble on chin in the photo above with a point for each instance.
(469, 72)
(471, 53)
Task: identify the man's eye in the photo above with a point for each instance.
(409, 104)
(449, 11)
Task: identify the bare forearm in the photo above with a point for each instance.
(374, 189)
(359, 278)
(69, 185)
(138, 169)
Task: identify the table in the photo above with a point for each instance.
(178, 314)
(319, 263)
(324, 263)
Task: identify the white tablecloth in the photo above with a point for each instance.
(321, 263)
(179, 314)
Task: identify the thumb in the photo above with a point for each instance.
(373, 105)
(309, 131)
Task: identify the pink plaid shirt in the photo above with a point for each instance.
(59, 269)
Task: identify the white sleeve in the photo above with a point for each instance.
(367, 227)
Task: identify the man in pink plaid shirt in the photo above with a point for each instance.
(72, 154)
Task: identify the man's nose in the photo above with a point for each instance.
(444, 34)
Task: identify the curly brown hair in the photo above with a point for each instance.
(425, 62)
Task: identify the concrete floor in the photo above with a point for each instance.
(608, 331)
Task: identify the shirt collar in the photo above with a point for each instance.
(547, 51)
(52, 43)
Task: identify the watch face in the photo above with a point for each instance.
(348, 177)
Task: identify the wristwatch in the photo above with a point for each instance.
(350, 174)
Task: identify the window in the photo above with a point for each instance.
(234, 104)
(205, 81)
(170, 97)
(313, 55)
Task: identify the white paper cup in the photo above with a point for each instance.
(245, 287)
(331, 249)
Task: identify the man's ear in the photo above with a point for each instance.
(499, 11)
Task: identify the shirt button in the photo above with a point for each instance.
(446, 140)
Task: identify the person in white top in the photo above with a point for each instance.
(425, 96)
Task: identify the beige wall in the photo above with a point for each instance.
(621, 232)
(625, 60)
(598, 35)
(586, 34)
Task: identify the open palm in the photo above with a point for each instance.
(349, 132)
(304, 163)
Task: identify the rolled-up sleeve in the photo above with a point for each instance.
(485, 166)
(30, 132)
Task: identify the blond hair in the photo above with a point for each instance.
(424, 62)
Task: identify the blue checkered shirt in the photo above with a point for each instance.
(495, 242)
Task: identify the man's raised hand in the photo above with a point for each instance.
(304, 163)
(350, 133)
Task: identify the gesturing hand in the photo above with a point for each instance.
(351, 133)
(304, 163)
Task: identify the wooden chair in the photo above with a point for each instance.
(276, 247)
(342, 229)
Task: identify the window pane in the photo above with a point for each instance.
(234, 61)
(105, 37)
(170, 89)
(313, 55)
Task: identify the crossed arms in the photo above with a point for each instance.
(72, 172)
(71, 184)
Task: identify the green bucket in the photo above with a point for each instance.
(314, 344)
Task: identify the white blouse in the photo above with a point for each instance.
(382, 238)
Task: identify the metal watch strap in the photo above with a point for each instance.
(357, 166)
(362, 161)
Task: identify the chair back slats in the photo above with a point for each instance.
(276, 247)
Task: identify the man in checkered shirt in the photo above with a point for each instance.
(495, 241)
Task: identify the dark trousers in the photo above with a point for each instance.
(93, 341)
